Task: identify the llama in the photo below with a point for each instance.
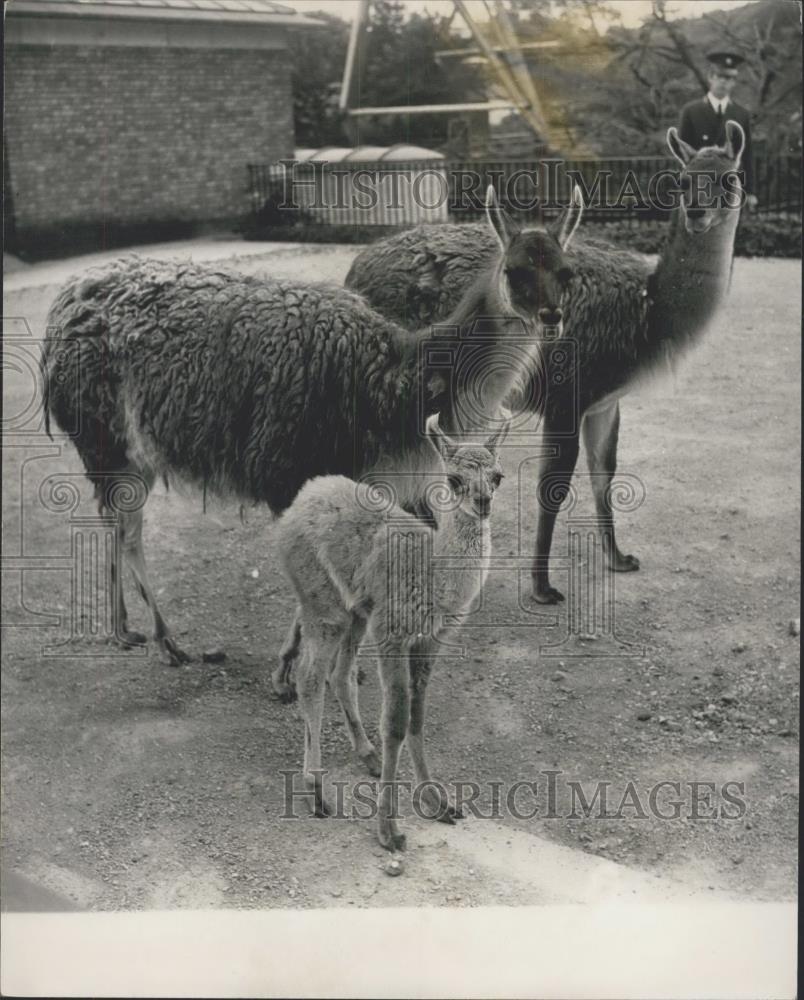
(251, 386)
(351, 579)
(625, 317)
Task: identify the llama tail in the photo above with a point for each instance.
(79, 388)
(45, 395)
(52, 337)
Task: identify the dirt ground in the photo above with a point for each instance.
(128, 784)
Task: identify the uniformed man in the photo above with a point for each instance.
(703, 121)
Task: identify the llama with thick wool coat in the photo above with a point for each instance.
(250, 386)
(625, 316)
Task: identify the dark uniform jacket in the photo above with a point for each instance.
(702, 126)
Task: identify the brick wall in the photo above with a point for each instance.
(129, 135)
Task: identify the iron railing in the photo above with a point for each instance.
(405, 193)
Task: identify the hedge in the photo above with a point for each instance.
(757, 235)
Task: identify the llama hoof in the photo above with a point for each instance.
(389, 837)
(287, 694)
(322, 809)
(175, 656)
(317, 801)
(437, 806)
(126, 638)
(285, 691)
(548, 596)
(371, 762)
(625, 564)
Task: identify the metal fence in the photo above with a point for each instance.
(777, 184)
(384, 193)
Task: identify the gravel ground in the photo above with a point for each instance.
(127, 784)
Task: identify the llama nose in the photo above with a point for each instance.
(551, 317)
(695, 213)
(483, 506)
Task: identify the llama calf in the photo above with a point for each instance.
(357, 569)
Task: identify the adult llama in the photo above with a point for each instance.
(625, 315)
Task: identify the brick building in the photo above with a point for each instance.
(140, 115)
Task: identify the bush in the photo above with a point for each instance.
(769, 236)
(316, 232)
(270, 215)
(71, 239)
(757, 235)
(646, 236)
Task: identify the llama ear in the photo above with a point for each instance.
(569, 220)
(735, 140)
(499, 220)
(682, 151)
(436, 386)
(497, 438)
(442, 443)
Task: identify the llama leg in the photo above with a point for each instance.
(344, 683)
(555, 476)
(122, 633)
(600, 433)
(114, 493)
(433, 797)
(319, 648)
(394, 726)
(132, 549)
(281, 677)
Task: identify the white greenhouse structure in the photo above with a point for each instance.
(371, 185)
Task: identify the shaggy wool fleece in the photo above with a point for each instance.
(606, 306)
(248, 386)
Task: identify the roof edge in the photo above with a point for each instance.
(99, 9)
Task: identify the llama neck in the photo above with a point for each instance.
(393, 398)
(462, 551)
(495, 349)
(692, 277)
(463, 536)
(491, 348)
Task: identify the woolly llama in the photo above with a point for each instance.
(350, 578)
(623, 315)
(250, 386)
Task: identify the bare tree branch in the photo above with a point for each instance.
(795, 85)
(680, 44)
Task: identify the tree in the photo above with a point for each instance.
(766, 34)
(400, 67)
(593, 14)
(317, 57)
(770, 42)
(397, 65)
(604, 89)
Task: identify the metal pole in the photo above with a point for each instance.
(351, 53)
(518, 64)
(530, 114)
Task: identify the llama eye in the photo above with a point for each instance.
(496, 479)
(565, 275)
(456, 484)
